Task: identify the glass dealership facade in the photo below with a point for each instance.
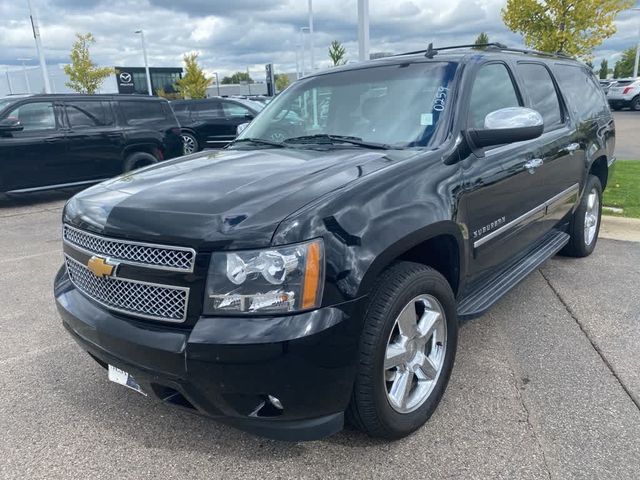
(134, 80)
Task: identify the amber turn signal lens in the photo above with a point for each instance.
(312, 276)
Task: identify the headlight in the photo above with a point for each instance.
(273, 280)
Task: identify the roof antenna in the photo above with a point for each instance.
(431, 52)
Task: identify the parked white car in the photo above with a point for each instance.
(625, 92)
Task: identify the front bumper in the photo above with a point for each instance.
(227, 367)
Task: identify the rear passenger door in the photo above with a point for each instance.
(557, 151)
(95, 141)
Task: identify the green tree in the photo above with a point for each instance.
(84, 75)
(237, 78)
(481, 39)
(604, 69)
(624, 66)
(282, 81)
(194, 83)
(568, 26)
(337, 53)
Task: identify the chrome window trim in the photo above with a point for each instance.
(129, 312)
(572, 190)
(130, 242)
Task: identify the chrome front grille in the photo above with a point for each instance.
(142, 299)
(148, 255)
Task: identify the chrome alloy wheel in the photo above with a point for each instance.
(189, 144)
(415, 353)
(591, 216)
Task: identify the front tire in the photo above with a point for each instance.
(407, 351)
(189, 143)
(585, 224)
(635, 104)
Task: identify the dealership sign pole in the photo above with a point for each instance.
(36, 36)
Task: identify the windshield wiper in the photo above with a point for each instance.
(327, 139)
(258, 141)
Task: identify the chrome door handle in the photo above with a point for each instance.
(532, 164)
(572, 147)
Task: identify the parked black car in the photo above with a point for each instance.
(281, 285)
(212, 122)
(49, 141)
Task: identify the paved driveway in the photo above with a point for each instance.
(547, 385)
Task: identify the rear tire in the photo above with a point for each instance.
(585, 223)
(391, 401)
(635, 104)
(138, 160)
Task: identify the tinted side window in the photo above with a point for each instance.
(140, 113)
(209, 109)
(89, 114)
(35, 116)
(234, 110)
(492, 90)
(585, 99)
(542, 92)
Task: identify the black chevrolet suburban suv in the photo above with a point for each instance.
(52, 141)
(285, 286)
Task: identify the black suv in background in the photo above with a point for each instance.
(50, 141)
(283, 285)
(212, 122)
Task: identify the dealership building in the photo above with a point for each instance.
(134, 79)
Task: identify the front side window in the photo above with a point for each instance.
(89, 114)
(492, 90)
(234, 110)
(396, 105)
(35, 116)
(542, 92)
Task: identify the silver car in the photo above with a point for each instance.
(623, 93)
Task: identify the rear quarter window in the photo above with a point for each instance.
(142, 112)
(582, 93)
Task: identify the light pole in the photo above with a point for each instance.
(146, 63)
(635, 64)
(363, 30)
(297, 60)
(9, 81)
(311, 59)
(217, 82)
(24, 72)
(304, 47)
(36, 36)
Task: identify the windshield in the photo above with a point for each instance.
(395, 105)
(7, 101)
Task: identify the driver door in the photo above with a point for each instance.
(502, 205)
(33, 157)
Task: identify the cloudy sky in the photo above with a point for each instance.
(235, 34)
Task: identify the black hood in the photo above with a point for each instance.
(216, 199)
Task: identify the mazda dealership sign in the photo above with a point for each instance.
(125, 82)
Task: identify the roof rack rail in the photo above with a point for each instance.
(430, 52)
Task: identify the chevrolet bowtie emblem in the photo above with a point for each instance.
(100, 267)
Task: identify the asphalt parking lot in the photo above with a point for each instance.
(546, 385)
(627, 138)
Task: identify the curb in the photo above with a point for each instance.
(620, 228)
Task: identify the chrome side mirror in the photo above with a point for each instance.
(241, 127)
(508, 125)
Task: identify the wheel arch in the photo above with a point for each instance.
(439, 246)
(600, 168)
